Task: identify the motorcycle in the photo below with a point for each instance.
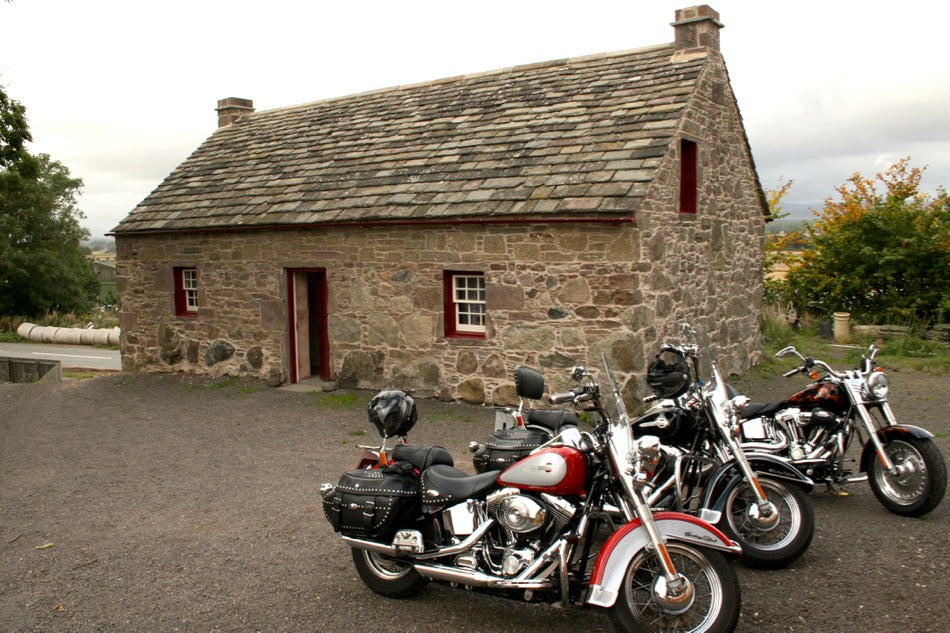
(758, 500)
(815, 427)
(540, 530)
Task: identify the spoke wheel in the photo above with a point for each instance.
(715, 602)
(776, 545)
(920, 482)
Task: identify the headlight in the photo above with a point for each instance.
(878, 385)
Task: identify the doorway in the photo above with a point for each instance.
(307, 315)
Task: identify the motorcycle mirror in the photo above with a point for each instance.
(787, 351)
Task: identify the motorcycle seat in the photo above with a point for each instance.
(422, 457)
(444, 485)
(758, 409)
(551, 419)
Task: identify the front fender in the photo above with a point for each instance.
(888, 433)
(729, 475)
(621, 546)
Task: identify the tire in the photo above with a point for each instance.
(919, 487)
(715, 607)
(779, 545)
(387, 576)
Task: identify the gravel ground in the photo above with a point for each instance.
(162, 503)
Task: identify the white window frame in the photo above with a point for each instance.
(189, 288)
(468, 297)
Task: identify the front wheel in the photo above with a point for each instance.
(918, 482)
(387, 576)
(768, 545)
(713, 607)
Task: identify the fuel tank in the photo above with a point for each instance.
(824, 394)
(668, 422)
(559, 470)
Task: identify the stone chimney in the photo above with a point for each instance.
(232, 109)
(697, 31)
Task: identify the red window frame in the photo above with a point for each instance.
(689, 177)
(453, 328)
(186, 291)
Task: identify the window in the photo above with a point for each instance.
(688, 176)
(465, 308)
(186, 291)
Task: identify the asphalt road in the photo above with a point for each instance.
(76, 356)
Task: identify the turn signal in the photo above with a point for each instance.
(813, 375)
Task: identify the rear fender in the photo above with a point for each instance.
(621, 546)
(889, 433)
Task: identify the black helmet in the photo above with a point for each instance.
(668, 375)
(392, 412)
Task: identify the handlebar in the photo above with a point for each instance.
(574, 395)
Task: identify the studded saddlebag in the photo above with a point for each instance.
(372, 503)
(505, 447)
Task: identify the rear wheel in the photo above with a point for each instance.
(769, 546)
(713, 608)
(920, 480)
(387, 576)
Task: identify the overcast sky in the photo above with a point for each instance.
(121, 92)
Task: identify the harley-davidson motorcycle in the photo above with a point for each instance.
(815, 427)
(541, 530)
(758, 500)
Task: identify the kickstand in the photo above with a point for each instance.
(838, 490)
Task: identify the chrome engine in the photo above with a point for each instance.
(802, 434)
(525, 525)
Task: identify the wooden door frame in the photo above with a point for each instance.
(323, 332)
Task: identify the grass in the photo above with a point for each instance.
(899, 352)
(335, 400)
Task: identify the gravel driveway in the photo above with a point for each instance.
(160, 503)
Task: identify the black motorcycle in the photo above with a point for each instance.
(815, 428)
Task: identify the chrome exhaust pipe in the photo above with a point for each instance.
(478, 579)
(769, 447)
(389, 550)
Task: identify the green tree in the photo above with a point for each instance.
(14, 132)
(42, 264)
(882, 256)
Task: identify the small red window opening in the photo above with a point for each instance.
(688, 176)
(186, 291)
(464, 304)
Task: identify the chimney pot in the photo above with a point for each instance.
(231, 109)
(697, 30)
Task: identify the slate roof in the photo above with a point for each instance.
(569, 138)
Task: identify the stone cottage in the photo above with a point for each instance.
(434, 236)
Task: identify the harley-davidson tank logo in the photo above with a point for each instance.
(545, 467)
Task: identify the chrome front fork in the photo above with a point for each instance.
(869, 426)
(763, 514)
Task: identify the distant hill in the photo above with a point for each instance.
(100, 244)
(800, 210)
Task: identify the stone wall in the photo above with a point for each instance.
(706, 268)
(553, 292)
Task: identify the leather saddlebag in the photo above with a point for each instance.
(372, 503)
(505, 447)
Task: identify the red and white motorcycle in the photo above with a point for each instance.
(541, 530)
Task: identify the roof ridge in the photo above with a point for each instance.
(564, 61)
